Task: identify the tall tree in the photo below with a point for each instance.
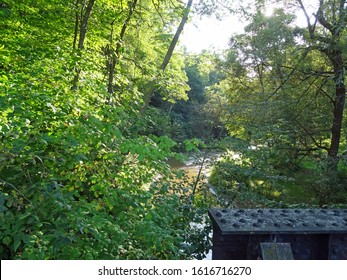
(169, 52)
(114, 53)
(177, 35)
(83, 10)
(327, 34)
(296, 75)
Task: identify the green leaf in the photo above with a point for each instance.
(16, 243)
(2, 199)
(3, 208)
(6, 240)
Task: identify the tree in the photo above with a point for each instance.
(82, 11)
(327, 34)
(203, 112)
(292, 72)
(113, 55)
(258, 68)
(168, 55)
(286, 88)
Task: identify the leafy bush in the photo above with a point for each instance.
(77, 177)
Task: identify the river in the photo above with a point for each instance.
(198, 166)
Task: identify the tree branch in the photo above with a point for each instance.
(16, 189)
(308, 133)
(312, 28)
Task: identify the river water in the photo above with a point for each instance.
(198, 165)
(195, 164)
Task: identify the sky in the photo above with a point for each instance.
(209, 33)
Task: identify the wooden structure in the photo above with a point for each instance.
(276, 251)
(302, 234)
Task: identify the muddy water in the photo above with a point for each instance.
(194, 163)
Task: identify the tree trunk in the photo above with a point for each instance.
(77, 19)
(169, 53)
(339, 103)
(113, 55)
(176, 37)
(332, 48)
(84, 18)
(84, 24)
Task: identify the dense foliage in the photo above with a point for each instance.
(285, 83)
(79, 176)
(96, 98)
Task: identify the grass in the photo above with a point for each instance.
(308, 186)
(298, 190)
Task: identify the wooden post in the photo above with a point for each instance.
(276, 251)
